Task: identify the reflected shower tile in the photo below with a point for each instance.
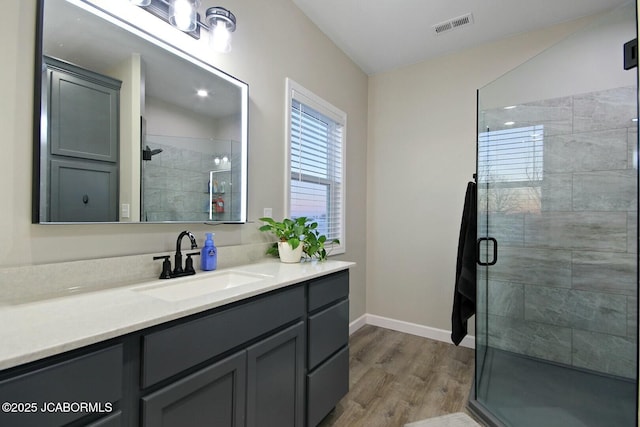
(530, 338)
(556, 192)
(532, 266)
(194, 181)
(577, 230)
(594, 351)
(554, 114)
(154, 199)
(632, 232)
(632, 318)
(195, 202)
(189, 160)
(632, 142)
(614, 190)
(608, 109)
(506, 299)
(174, 201)
(604, 271)
(598, 312)
(596, 150)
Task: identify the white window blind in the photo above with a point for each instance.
(316, 167)
(511, 155)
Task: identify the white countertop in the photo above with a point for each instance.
(35, 329)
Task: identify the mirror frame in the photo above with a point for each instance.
(40, 132)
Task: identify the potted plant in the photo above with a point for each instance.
(296, 236)
(290, 234)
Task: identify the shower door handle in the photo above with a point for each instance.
(495, 251)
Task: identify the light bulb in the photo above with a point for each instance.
(220, 37)
(182, 14)
(216, 160)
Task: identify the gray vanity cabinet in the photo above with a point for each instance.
(328, 348)
(79, 156)
(276, 359)
(261, 384)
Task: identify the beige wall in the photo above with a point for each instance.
(421, 154)
(263, 56)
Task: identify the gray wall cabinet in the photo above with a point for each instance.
(79, 156)
(279, 359)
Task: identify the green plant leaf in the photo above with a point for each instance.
(294, 242)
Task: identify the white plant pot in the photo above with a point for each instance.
(289, 255)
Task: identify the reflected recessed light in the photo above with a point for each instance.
(510, 107)
(509, 123)
(203, 93)
(634, 120)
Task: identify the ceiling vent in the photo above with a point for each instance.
(452, 24)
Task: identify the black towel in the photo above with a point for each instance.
(464, 297)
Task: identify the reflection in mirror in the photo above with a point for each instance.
(129, 129)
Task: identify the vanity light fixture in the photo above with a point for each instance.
(221, 24)
(183, 14)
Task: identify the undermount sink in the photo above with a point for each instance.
(200, 285)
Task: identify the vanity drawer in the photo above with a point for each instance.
(327, 289)
(170, 351)
(326, 386)
(328, 331)
(94, 378)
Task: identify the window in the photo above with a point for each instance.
(315, 162)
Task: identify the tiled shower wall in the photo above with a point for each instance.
(564, 288)
(175, 184)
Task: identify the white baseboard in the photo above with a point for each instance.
(408, 328)
(357, 324)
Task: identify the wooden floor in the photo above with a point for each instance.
(397, 378)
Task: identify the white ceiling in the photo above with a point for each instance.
(380, 35)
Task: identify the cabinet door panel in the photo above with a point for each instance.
(84, 116)
(213, 396)
(83, 191)
(95, 377)
(275, 379)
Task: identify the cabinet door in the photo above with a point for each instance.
(275, 379)
(84, 115)
(83, 191)
(213, 396)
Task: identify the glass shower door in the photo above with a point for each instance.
(556, 321)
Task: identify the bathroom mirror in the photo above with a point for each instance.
(120, 132)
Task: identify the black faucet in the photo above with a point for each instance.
(178, 271)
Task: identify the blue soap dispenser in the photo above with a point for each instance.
(209, 254)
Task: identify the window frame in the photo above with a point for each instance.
(298, 93)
